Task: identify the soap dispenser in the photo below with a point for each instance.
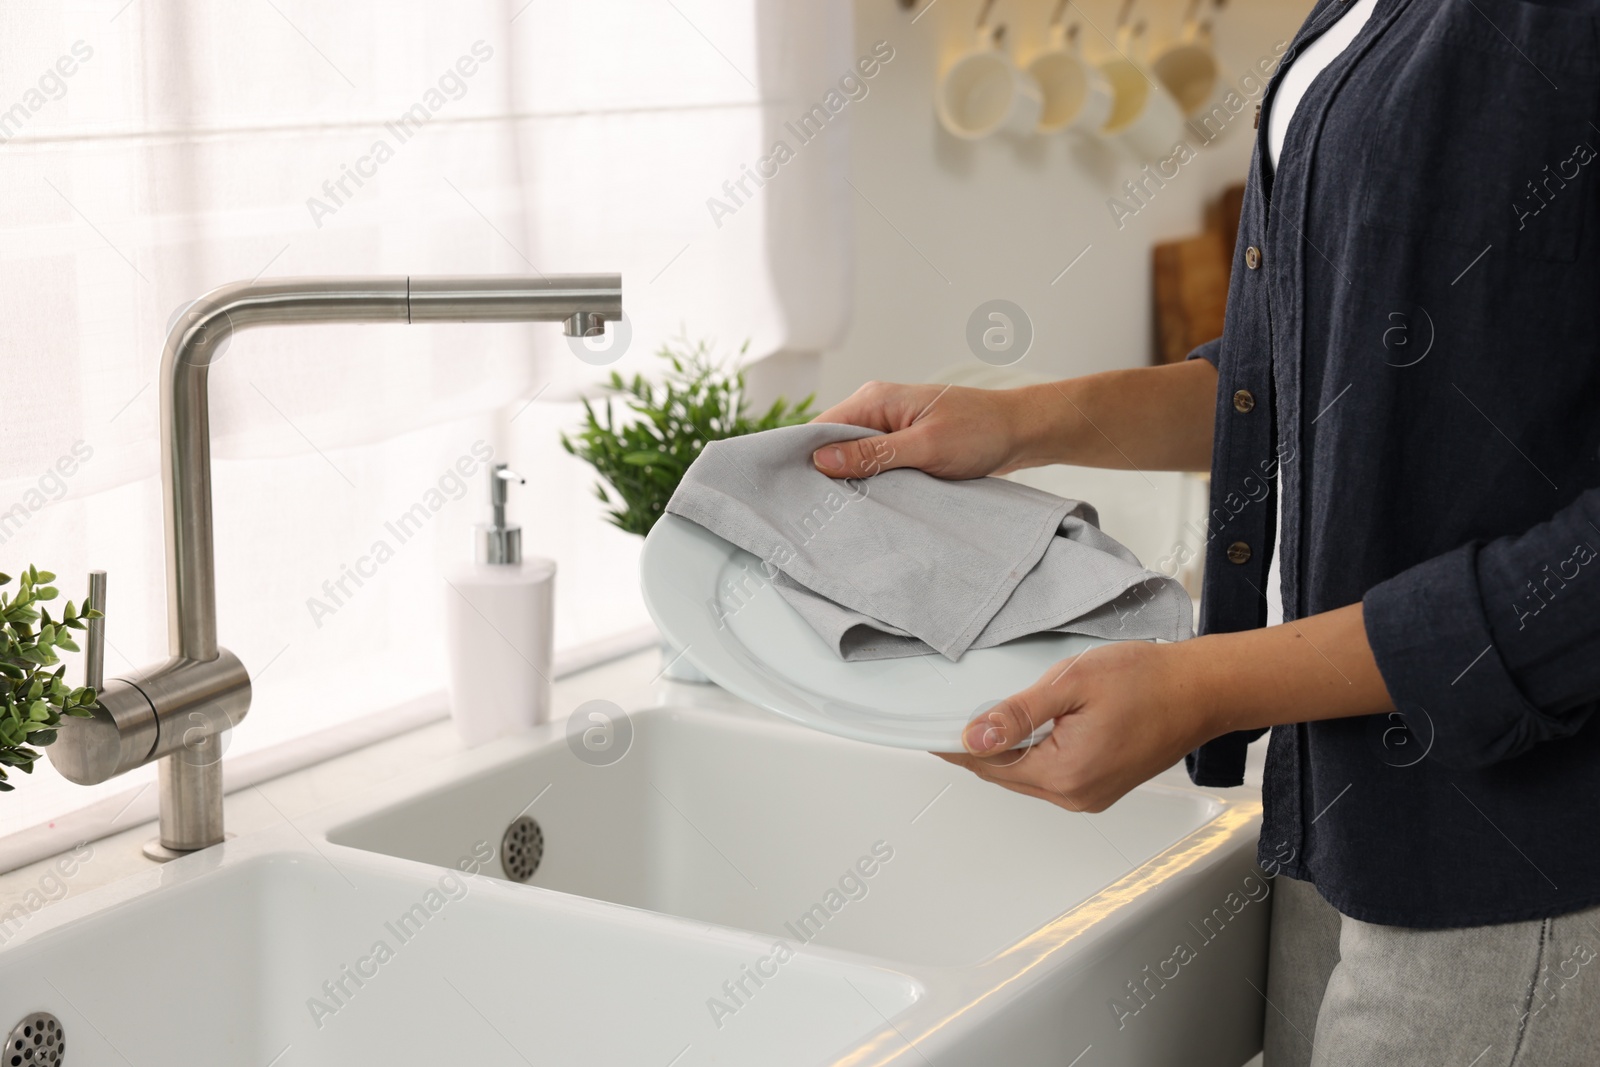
(499, 616)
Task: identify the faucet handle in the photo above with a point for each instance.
(121, 732)
(94, 655)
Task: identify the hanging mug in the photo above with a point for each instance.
(1076, 94)
(983, 92)
(1188, 69)
(1144, 117)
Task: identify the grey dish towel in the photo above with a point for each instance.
(903, 563)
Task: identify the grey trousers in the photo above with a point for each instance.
(1344, 993)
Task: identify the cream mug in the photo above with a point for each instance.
(983, 92)
(1076, 94)
(1144, 116)
(1188, 69)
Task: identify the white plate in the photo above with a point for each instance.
(713, 602)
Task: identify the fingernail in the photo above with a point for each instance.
(981, 736)
(829, 459)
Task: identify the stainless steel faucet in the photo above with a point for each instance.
(178, 711)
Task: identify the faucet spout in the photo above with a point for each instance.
(176, 711)
(210, 320)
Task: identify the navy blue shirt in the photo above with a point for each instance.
(1414, 311)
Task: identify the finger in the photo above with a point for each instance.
(1035, 773)
(866, 456)
(1026, 785)
(1013, 720)
(1009, 723)
(868, 406)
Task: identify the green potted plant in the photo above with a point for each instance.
(642, 456)
(35, 696)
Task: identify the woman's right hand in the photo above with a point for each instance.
(946, 430)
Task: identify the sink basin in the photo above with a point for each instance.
(732, 890)
(750, 825)
(1033, 934)
(237, 955)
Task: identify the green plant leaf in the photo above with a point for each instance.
(33, 696)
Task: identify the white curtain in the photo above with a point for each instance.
(152, 151)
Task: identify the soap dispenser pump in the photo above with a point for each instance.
(499, 618)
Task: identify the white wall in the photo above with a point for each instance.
(943, 225)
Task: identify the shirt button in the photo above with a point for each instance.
(1252, 257)
(1238, 552)
(1244, 402)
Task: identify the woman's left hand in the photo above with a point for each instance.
(1127, 711)
(1123, 714)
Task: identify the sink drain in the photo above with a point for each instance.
(521, 848)
(37, 1041)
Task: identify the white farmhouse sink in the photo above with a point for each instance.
(748, 824)
(221, 959)
(1036, 934)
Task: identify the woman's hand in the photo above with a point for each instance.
(1144, 418)
(948, 431)
(1123, 714)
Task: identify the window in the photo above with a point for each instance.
(152, 152)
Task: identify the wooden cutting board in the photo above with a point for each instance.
(1190, 281)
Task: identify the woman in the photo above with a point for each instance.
(1402, 424)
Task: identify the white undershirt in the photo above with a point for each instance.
(1296, 80)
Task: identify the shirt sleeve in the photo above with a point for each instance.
(1494, 647)
(1208, 351)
